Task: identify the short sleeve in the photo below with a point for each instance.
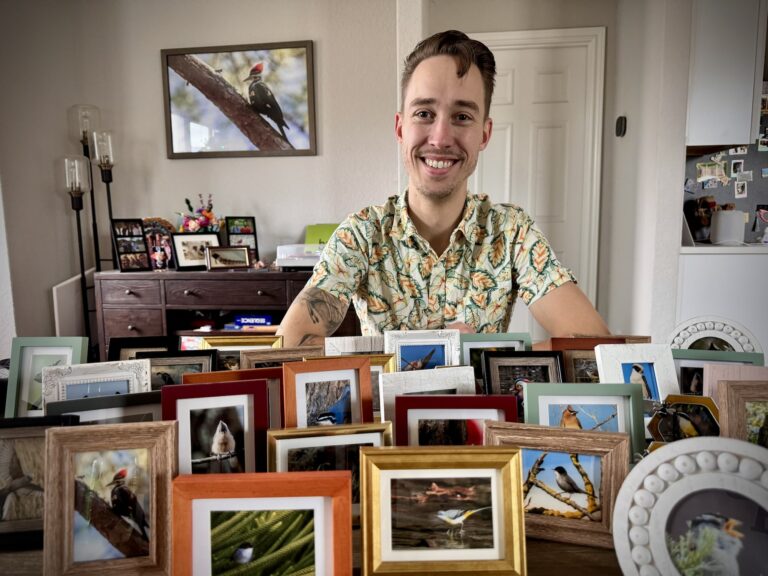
(537, 269)
(343, 263)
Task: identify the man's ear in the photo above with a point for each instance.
(487, 129)
(399, 126)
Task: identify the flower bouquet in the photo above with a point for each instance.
(201, 219)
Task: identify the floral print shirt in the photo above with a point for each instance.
(378, 260)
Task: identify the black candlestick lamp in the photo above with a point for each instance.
(105, 157)
(76, 181)
(84, 119)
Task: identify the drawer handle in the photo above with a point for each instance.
(189, 292)
(128, 291)
(259, 292)
(131, 327)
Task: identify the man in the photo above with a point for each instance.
(436, 257)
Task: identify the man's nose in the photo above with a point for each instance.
(441, 133)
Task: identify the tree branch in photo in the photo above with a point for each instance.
(589, 488)
(229, 101)
(114, 528)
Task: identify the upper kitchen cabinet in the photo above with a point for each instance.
(726, 73)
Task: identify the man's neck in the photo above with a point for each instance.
(436, 220)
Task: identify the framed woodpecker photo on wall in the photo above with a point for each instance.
(244, 100)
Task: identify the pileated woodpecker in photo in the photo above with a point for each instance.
(262, 99)
(124, 502)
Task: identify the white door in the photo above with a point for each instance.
(544, 153)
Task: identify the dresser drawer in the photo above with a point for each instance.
(222, 293)
(130, 292)
(126, 322)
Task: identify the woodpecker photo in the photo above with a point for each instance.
(125, 503)
(223, 446)
(262, 99)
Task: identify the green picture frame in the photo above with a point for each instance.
(689, 365)
(630, 394)
(58, 349)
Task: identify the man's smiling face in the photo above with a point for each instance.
(442, 128)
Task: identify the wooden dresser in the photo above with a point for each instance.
(162, 303)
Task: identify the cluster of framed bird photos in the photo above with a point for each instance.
(130, 245)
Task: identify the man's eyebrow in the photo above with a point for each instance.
(468, 104)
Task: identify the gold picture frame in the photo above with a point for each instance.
(575, 451)
(451, 492)
(231, 347)
(80, 462)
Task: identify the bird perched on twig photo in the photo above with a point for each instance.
(223, 445)
(569, 418)
(456, 518)
(262, 99)
(723, 560)
(125, 503)
(565, 482)
(637, 376)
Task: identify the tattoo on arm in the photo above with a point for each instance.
(324, 309)
(311, 340)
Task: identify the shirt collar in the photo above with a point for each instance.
(403, 226)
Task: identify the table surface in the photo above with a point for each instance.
(544, 559)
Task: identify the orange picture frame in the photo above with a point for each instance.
(295, 375)
(335, 485)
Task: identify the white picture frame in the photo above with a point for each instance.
(342, 345)
(90, 380)
(709, 331)
(676, 484)
(453, 380)
(615, 365)
(442, 348)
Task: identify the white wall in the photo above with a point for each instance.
(107, 53)
(7, 323)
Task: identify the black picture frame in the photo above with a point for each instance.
(130, 244)
(119, 344)
(189, 248)
(240, 100)
(207, 359)
(241, 231)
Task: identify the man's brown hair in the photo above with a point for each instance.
(463, 49)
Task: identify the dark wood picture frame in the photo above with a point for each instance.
(130, 244)
(119, 344)
(207, 359)
(241, 231)
(275, 117)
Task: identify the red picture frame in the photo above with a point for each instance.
(258, 389)
(443, 404)
(274, 377)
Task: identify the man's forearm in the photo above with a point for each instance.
(313, 315)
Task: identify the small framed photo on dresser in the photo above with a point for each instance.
(130, 245)
(241, 232)
(190, 249)
(227, 258)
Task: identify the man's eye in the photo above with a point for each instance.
(423, 114)
(463, 117)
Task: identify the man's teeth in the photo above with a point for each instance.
(438, 163)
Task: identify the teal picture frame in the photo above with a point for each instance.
(631, 396)
(74, 348)
(689, 365)
(502, 340)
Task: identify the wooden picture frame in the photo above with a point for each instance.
(607, 454)
(68, 382)
(142, 458)
(446, 420)
(22, 446)
(273, 376)
(602, 407)
(451, 380)
(241, 231)
(227, 258)
(230, 348)
(487, 482)
(683, 416)
(683, 487)
(189, 248)
(207, 447)
(580, 367)
(650, 365)
(125, 348)
(130, 245)
(715, 373)
(217, 114)
(25, 378)
(744, 410)
(326, 448)
(121, 408)
(250, 359)
(169, 367)
(423, 349)
(689, 365)
(328, 391)
(197, 498)
(343, 345)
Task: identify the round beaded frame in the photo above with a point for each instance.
(667, 475)
(688, 332)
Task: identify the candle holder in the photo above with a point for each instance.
(76, 181)
(105, 158)
(83, 120)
